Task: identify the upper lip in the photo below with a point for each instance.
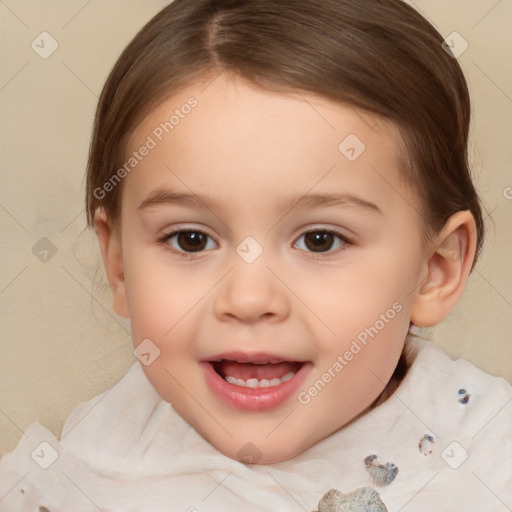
(254, 357)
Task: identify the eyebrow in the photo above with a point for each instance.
(312, 201)
(163, 197)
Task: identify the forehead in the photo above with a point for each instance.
(226, 137)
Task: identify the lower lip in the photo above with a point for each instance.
(250, 399)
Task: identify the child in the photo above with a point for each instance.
(282, 197)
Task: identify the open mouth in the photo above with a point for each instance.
(253, 381)
(256, 375)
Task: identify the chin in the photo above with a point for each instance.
(258, 452)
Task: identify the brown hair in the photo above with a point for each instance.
(378, 55)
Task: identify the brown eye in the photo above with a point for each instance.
(189, 241)
(320, 241)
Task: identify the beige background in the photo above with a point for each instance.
(60, 341)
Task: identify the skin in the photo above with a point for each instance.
(248, 149)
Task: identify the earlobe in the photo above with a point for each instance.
(110, 246)
(447, 271)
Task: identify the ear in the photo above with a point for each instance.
(110, 245)
(447, 271)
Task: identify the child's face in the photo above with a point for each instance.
(337, 311)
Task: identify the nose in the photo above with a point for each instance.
(251, 293)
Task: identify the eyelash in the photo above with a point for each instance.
(184, 255)
(192, 255)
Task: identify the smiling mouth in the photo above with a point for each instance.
(256, 375)
(254, 381)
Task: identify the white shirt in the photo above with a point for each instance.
(128, 450)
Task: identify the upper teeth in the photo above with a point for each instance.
(255, 383)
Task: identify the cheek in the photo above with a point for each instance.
(355, 368)
(159, 295)
(367, 312)
(350, 299)
(162, 303)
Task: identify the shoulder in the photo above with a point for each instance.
(455, 393)
(468, 415)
